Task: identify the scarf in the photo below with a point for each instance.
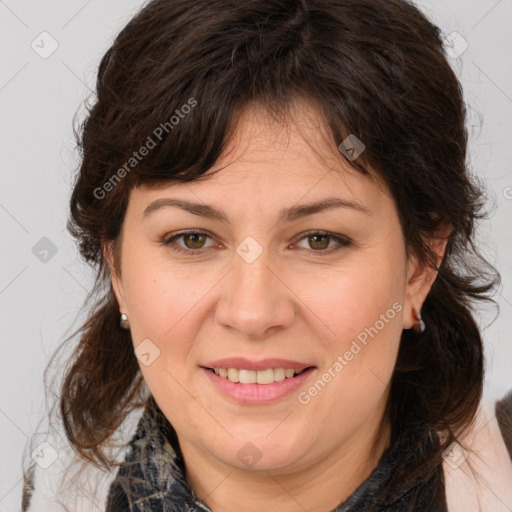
(152, 476)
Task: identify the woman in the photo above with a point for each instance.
(276, 199)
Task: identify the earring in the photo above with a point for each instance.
(419, 327)
(124, 323)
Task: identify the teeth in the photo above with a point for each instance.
(247, 376)
(267, 376)
(288, 373)
(233, 375)
(279, 374)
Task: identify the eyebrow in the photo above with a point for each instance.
(287, 214)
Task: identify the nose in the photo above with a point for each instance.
(255, 300)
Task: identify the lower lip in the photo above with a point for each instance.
(257, 393)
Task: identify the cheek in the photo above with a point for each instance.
(361, 323)
(164, 305)
(161, 295)
(346, 302)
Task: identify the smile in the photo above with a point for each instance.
(268, 383)
(267, 376)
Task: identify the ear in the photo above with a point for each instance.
(421, 277)
(115, 274)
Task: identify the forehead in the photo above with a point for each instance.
(275, 161)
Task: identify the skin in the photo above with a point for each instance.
(303, 299)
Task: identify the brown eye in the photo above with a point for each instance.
(319, 241)
(188, 242)
(323, 242)
(197, 240)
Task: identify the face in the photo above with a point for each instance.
(268, 284)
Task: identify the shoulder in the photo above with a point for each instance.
(478, 471)
(58, 480)
(65, 485)
(504, 416)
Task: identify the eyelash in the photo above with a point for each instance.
(343, 241)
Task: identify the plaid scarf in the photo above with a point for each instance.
(151, 479)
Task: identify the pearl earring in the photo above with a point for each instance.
(124, 323)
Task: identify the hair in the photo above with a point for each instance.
(370, 68)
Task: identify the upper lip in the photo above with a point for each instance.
(245, 364)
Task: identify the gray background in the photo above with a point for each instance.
(41, 300)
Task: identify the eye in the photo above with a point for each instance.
(320, 241)
(193, 241)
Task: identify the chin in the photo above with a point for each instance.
(260, 453)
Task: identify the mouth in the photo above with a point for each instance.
(248, 381)
(257, 382)
(264, 377)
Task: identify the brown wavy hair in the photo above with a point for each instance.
(372, 68)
